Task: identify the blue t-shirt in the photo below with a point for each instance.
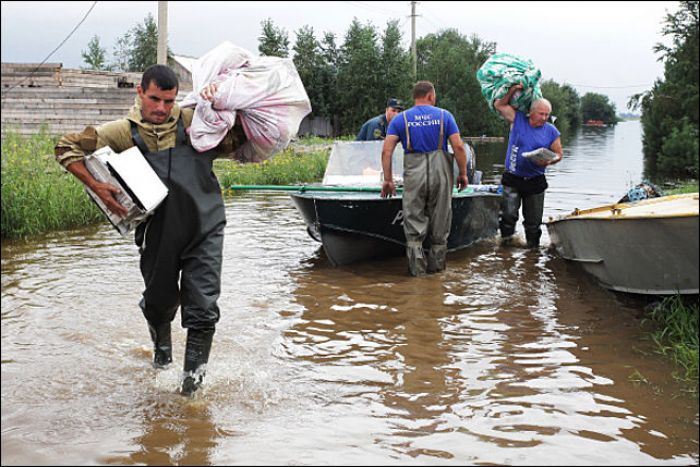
(424, 127)
(524, 138)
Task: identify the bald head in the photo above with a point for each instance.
(539, 112)
(544, 103)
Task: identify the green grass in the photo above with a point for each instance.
(39, 196)
(317, 140)
(677, 336)
(683, 187)
(286, 168)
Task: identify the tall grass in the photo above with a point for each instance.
(677, 336)
(39, 196)
(286, 168)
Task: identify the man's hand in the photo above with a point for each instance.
(106, 193)
(462, 182)
(388, 189)
(208, 92)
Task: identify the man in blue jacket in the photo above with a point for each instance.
(375, 128)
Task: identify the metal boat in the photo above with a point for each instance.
(642, 247)
(353, 223)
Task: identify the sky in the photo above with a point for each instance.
(603, 47)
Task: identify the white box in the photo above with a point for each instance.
(142, 191)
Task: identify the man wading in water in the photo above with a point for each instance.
(181, 243)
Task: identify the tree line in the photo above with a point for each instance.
(670, 108)
(349, 80)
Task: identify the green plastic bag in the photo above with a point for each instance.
(501, 71)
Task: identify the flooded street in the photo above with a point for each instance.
(510, 356)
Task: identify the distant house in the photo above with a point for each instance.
(182, 65)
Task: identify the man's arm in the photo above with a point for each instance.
(503, 106)
(71, 149)
(461, 158)
(556, 147)
(105, 191)
(388, 187)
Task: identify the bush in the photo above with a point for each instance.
(679, 152)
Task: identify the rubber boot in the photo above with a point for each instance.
(196, 358)
(533, 238)
(162, 346)
(417, 263)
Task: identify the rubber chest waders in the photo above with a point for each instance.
(427, 204)
(183, 240)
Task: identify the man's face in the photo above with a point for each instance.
(391, 112)
(539, 115)
(156, 103)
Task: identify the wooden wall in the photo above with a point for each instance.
(66, 100)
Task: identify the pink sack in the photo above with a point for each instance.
(266, 93)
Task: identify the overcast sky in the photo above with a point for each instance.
(603, 47)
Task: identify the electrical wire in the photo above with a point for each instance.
(52, 52)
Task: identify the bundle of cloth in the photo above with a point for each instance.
(501, 71)
(264, 93)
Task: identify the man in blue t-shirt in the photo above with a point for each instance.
(524, 180)
(375, 128)
(428, 176)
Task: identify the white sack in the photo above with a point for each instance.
(266, 93)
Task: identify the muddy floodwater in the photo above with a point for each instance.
(510, 356)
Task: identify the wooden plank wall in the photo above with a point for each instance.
(66, 100)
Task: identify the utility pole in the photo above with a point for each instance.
(414, 54)
(162, 32)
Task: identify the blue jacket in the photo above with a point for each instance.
(373, 129)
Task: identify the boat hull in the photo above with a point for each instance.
(355, 227)
(657, 256)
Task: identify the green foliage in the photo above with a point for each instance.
(37, 194)
(137, 49)
(597, 107)
(287, 168)
(94, 56)
(679, 151)
(677, 336)
(670, 108)
(397, 80)
(309, 63)
(450, 61)
(360, 82)
(121, 53)
(330, 56)
(566, 105)
(274, 41)
(144, 50)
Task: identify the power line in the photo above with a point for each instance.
(54, 50)
(612, 87)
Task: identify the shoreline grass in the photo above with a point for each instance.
(677, 336)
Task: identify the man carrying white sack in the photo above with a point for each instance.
(181, 243)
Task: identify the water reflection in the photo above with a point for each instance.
(502, 352)
(174, 433)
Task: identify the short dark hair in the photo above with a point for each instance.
(164, 77)
(422, 89)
